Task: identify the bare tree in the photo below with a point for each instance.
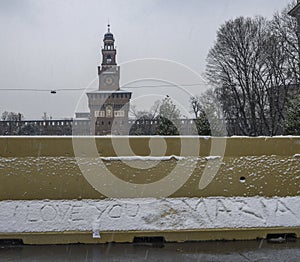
(250, 66)
(11, 116)
(231, 67)
(151, 114)
(281, 72)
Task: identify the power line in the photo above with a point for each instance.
(41, 90)
(53, 91)
(24, 89)
(167, 85)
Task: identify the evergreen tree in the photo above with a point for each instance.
(29, 130)
(202, 124)
(168, 118)
(292, 122)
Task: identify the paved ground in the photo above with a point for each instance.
(203, 251)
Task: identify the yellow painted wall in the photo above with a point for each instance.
(45, 167)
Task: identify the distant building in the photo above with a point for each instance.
(109, 105)
(295, 12)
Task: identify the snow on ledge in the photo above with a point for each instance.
(144, 158)
(148, 214)
(212, 157)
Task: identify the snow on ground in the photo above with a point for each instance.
(148, 214)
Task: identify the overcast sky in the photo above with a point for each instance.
(52, 44)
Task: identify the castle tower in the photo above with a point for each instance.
(109, 105)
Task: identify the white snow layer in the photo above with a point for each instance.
(144, 158)
(148, 214)
(212, 157)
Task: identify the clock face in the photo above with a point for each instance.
(108, 80)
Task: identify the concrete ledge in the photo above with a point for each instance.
(175, 219)
(45, 167)
(52, 146)
(74, 237)
(45, 196)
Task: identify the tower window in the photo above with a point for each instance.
(108, 59)
(119, 113)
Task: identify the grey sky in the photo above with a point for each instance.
(56, 44)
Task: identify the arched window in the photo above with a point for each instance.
(108, 59)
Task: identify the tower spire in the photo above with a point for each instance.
(108, 26)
